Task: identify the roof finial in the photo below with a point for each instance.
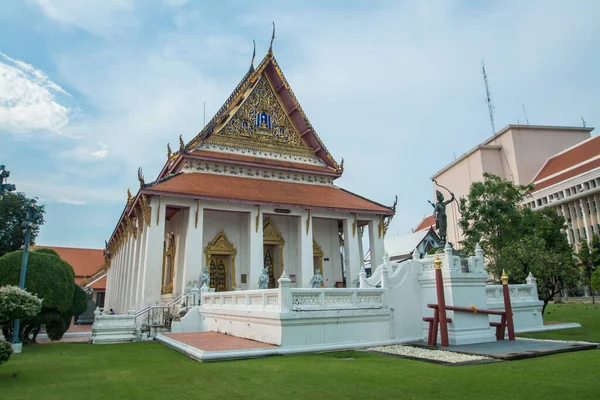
(253, 54)
(272, 38)
(181, 144)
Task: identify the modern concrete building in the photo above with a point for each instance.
(570, 182)
(516, 153)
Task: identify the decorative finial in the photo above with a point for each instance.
(253, 54)
(141, 178)
(395, 204)
(129, 197)
(504, 278)
(272, 38)
(437, 262)
(169, 151)
(181, 144)
(342, 165)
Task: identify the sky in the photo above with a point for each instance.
(90, 90)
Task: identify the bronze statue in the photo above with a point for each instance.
(441, 219)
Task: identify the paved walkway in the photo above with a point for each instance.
(520, 348)
(213, 341)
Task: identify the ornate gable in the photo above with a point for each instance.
(260, 123)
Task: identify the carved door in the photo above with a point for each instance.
(218, 273)
(268, 252)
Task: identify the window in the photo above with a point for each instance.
(589, 208)
(578, 234)
(595, 207)
(100, 299)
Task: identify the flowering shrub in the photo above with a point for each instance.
(16, 303)
(5, 351)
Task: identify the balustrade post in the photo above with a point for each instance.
(362, 278)
(285, 294)
(385, 271)
(449, 253)
(441, 298)
(322, 299)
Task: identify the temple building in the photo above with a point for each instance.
(254, 189)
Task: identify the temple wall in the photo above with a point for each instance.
(325, 233)
(176, 226)
(288, 227)
(233, 225)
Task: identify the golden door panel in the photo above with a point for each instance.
(218, 273)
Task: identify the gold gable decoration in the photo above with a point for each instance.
(317, 251)
(270, 233)
(261, 123)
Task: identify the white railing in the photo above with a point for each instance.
(523, 292)
(336, 299)
(286, 299)
(267, 298)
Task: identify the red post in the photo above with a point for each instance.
(439, 285)
(507, 307)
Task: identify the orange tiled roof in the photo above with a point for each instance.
(568, 174)
(426, 223)
(248, 190)
(264, 161)
(85, 262)
(573, 156)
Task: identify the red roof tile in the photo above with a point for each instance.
(85, 262)
(568, 174)
(264, 161)
(248, 190)
(428, 222)
(575, 155)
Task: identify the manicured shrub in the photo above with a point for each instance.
(5, 351)
(47, 251)
(16, 303)
(51, 279)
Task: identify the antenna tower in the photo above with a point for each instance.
(488, 98)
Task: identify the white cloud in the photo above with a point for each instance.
(29, 99)
(71, 202)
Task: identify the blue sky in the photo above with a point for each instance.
(92, 89)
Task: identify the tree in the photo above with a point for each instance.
(543, 251)
(596, 280)
(491, 216)
(13, 212)
(51, 279)
(589, 259)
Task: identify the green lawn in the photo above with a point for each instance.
(152, 371)
(588, 315)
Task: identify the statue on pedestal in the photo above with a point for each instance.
(263, 279)
(439, 210)
(317, 279)
(205, 278)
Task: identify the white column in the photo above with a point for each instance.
(124, 272)
(131, 273)
(585, 218)
(118, 278)
(305, 250)
(135, 270)
(139, 290)
(351, 252)
(108, 296)
(376, 244)
(194, 259)
(154, 253)
(255, 244)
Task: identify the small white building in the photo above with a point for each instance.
(254, 189)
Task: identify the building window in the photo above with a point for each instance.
(585, 233)
(595, 207)
(100, 299)
(578, 234)
(592, 229)
(572, 235)
(575, 212)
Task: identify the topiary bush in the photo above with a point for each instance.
(47, 251)
(49, 278)
(80, 302)
(6, 351)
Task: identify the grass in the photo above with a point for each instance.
(152, 371)
(588, 315)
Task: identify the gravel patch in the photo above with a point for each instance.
(443, 356)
